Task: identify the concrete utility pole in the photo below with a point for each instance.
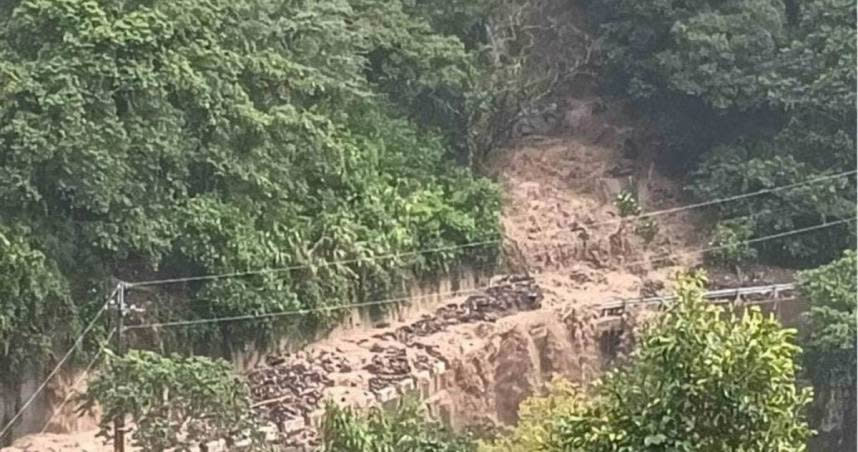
(119, 420)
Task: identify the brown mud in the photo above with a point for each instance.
(475, 359)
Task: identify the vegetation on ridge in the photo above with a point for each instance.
(748, 95)
(148, 139)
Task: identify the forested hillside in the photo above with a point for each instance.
(747, 94)
(152, 139)
(322, 153)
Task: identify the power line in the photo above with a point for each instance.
(59, 365)
(303, 266)
(477, 289)
(211, 277)
(305, 311)
(745, 242)
(747, 195)
(79, 380)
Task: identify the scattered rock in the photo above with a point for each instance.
(289, 390)
(651, 288)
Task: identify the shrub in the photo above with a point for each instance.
(174, 402)
(730, 238)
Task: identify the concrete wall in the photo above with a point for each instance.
(426, 295)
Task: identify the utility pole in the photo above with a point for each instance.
(119, 420)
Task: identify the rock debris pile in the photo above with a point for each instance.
(290, 389)
(507, 295)
(389, 366)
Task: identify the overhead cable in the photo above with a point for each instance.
(211, 277)
(452, 293)
(59, 365)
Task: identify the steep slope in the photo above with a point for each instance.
(564, 231)
(559, 211)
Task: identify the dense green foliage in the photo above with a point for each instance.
(404, 428)
(174, 402)
(730, 243)
(701, 380)
(831, 342)
(748, 94)
(536, 419)
(173, 138)
(33, 299)
(831, 345)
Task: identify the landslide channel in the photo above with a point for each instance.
(475, 360)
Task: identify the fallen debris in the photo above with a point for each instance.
(290, 389)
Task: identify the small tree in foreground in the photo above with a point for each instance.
(174, 402)
(700, 381)
(537, 417)
(404, 429)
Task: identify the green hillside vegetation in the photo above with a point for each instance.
(748, 95)
(831, 345)
(151, 139)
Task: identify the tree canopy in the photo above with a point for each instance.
(175, 138)
(748, 95)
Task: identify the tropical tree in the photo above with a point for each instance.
(701, 380)
(174, 402)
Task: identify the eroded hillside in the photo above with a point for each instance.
(475, 359)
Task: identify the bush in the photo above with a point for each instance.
(537, 417)
(403, 429)
(174, 402)
(700, 381)
(647, 229)
(627, 204)
(730, 238)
